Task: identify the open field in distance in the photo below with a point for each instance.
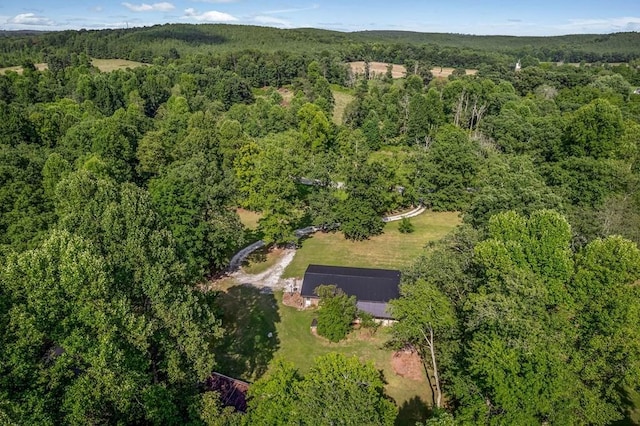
(380, 68)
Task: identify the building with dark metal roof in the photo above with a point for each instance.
(373, 288)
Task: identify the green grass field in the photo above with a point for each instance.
(392, 249)
(299, 346)
(108, 65)
(342, 98)
(249, 315)
(248, 218)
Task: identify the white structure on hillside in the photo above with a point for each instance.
(518, 66)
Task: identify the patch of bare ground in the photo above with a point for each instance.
(380, 69)
(377, 69)
(407, 364)
(444, 72)
(286, 94)
(292, 299)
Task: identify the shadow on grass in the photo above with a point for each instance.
(249, 317)
(257, 256)
(631, 404)
(412, 411)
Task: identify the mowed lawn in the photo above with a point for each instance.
(391, 250)
(299, 346)
(260, 329)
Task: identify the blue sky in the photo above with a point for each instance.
(542, 17)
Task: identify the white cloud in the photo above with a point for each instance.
(144, 7)
(210, 16)
(216, 1)
(30, 19)
(96, 9)
(627, 23)
(271, 20)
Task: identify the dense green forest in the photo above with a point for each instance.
(170, 41)
(119, 191)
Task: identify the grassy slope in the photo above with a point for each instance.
(389, 250)
(248, 218)
(299, 346)
(342, 99)
(247, 349)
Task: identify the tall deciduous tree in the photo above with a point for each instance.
(267, 173)
(423, 313)
(272, 399)
(360, 213)
(314, 127)
(608, 313)
(337, 390)
(147, 270)
(522, 328)
(336, 314)
(193, 198)
(595, 130)
(343, 390)
(448, 178)
(510, 183)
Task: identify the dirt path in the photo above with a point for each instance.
(415, 212)
(272, 277)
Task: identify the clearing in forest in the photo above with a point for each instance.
(392, 249)
(18, 69)
(342, 99)
(444, 72)
(248, 218)
(104, 65)
(108, 65)
(261, 328)
(377, 69)
(380, 69)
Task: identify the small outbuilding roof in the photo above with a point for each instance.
(367, 285)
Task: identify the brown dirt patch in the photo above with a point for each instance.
(377, 69)
(407, 364)
(292, 299)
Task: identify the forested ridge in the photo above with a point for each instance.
(119, 194)
(147, 44)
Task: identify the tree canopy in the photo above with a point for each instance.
(337, 390)
(119, 193)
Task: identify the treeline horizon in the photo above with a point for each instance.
(174, 41)
(119, 194)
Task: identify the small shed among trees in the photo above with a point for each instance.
(373, 288)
